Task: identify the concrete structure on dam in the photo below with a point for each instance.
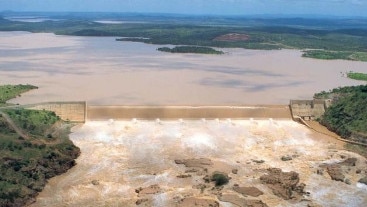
(309, 109)
(68, 111)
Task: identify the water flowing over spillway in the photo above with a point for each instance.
(118, 157)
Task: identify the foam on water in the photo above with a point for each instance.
(362, 186)
(199, 142)
(225, 204)
(160, 200)
(334, 193)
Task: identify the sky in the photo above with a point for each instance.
(211, 7)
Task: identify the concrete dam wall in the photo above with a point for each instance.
(80, 112)
(68, 111)
(187, 112)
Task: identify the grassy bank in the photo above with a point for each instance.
(34, 147)
(8, 92)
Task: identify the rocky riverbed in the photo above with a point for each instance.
(207, 163)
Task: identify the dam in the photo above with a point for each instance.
(81, 112)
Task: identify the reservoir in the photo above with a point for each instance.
(103, 71)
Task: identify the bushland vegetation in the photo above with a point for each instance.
(357, 76)
(331, 55)
(323, 38)
(12, 91)
(347, 116)
(28, 161)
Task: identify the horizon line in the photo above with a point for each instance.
(297, 15)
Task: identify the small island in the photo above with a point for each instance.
(335, 55)
(191, 49)
(357, 76)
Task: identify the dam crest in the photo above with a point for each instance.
(80, 111)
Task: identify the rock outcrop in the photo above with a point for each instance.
(153, 189)
(248, 191)
(335, 172)
(199, 163)
(283, 184)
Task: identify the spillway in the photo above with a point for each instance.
(98, 113)
(118, 157)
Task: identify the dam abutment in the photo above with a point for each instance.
(73, 111)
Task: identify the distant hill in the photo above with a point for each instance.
(319, 37)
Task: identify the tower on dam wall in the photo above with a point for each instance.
(309, 109)
(67, 111)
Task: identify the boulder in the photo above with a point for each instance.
(140, 201)
(351, 162)
(335, 172)
(153, 189)
(286, 158)
(184, 176)
(248, 191)
(283, 184)
(363, 180)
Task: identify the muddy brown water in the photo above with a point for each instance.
(121, 156)
(105, 72)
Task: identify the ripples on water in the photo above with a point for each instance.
(137, 74)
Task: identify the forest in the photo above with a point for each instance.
(347, 116)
